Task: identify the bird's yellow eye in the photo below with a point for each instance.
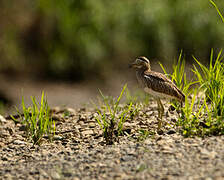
(138, 61)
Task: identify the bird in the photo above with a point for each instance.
(156, 84)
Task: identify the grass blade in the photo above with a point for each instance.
(217, 9)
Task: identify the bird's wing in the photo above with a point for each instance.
(157, 76)
(160, 83)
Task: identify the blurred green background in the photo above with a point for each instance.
(77, 40)
(72, 38)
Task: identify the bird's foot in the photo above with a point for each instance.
(160, 131)
(160, 125)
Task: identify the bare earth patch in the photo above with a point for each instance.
(78, 150)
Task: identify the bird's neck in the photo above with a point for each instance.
(142, 70)
(140, 75)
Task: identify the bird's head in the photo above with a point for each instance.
(141, 63)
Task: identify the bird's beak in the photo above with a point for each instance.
(132, 65)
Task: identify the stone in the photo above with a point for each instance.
(171, 131)
(207, 154)
(87, 132)
(2, 119)
(19, 142)
(57, 137)
(55, 175)
(92, 125)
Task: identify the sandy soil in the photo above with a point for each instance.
(78, 150)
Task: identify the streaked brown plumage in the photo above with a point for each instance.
(156, 84)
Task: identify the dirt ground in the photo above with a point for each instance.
(78, 150)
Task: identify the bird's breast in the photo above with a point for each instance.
(140, 78)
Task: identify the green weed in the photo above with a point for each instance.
(37, 119)
(214, 123)
(191, 113)
(204, 115)
(111, 116)
(217, 9)
(210, 78)
(200, 121)
(144, 134)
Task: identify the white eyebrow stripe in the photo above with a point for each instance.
(140, 59)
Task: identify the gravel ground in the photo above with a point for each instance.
(78, 151)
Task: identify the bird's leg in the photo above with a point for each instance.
(160, 113)
(158, 108)
(161, 108)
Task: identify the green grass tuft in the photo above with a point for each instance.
(144, 134)
(201, 115)
(37, 120)
(111, 116)
(210, 78)
(204, 115)
(191, 113)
